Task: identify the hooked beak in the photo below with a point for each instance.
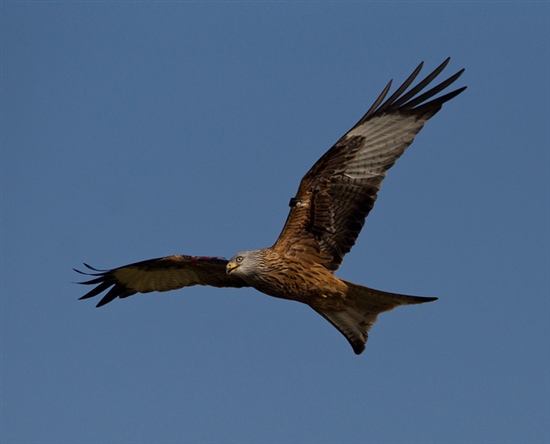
(230, 267)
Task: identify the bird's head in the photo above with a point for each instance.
(244, 263)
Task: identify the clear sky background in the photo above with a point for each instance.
(138, 130)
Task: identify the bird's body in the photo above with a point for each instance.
(326, 216)
(345, 304)
(289, 278)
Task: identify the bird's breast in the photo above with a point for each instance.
(311, 284)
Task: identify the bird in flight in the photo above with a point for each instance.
(326, 216)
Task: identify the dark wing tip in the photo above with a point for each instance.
(86, 273)
(112, 294)
(104, 279)
(410, 100)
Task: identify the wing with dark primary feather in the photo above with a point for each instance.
(338, 192)
(162, 274)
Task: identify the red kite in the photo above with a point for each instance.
(326, 216)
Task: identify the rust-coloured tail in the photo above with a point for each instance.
(363, 304)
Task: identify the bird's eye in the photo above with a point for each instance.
(239, 259)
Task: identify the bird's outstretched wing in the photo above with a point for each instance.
(161, 274)
(338, 192)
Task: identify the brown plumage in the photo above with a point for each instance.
(326, 216)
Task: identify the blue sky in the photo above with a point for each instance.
(139, 130)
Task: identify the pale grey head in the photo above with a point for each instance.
(246, 263)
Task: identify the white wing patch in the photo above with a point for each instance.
(385, 139)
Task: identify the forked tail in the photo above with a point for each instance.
(362, 307)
